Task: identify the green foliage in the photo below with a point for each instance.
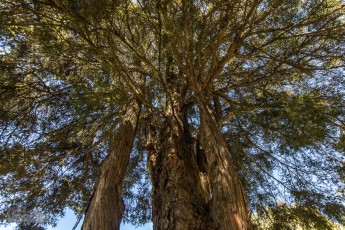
(29, 226)
(293, 217)
(67, 68)
(137, 190)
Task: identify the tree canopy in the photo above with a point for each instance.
(271, 73)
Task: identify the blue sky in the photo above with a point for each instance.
(70, 219)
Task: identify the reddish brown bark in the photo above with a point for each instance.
(106, 206)
(179, 201)
(228, 206)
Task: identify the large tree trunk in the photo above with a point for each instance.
(179, 201)
(106, 206)
(228, 206)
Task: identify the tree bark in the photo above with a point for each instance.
(106, 206)
(228, 203)
(179, 201)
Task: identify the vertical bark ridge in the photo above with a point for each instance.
(178, 199)
(106, 206)
(229, 206)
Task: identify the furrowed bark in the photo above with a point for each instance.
(179, 201)
(228, 206)
(106, 207)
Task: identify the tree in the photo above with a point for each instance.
(236, 106)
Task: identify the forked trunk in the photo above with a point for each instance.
(228, 206)
(179, 201)
(106, 206)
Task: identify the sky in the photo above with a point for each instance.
(70, 219)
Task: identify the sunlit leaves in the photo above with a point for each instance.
(277, 67)
(295, 217)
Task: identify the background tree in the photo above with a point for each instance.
(29, 226)
(241, 109)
